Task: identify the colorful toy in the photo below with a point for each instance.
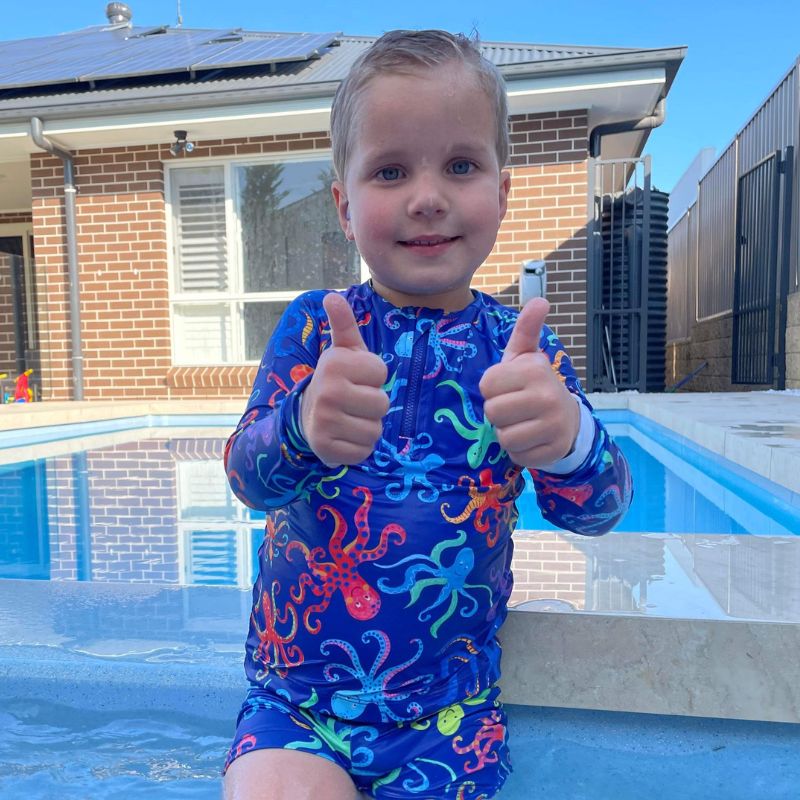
(22, 391)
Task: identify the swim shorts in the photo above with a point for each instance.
(460, 752)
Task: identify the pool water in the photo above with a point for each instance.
(50, 751)
(156, 507)
(675, 495)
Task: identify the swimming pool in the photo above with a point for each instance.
(143, 562)
(124, 690)
(557, 753)
(122, 502)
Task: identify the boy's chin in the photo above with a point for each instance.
(447, 298)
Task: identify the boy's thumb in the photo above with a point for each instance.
(527, 329)
(344, 330)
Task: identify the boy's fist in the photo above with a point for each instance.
(344, 402)
(535, 417)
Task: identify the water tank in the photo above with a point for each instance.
(624, 288)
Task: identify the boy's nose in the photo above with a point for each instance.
(427, 199)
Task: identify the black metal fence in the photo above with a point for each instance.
(761, 271)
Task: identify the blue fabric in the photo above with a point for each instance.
(382, 585)
(459, 752)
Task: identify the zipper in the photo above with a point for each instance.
(418, 358)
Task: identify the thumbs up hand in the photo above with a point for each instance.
(535, 417)
(344, 402)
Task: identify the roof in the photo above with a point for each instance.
(117, 62)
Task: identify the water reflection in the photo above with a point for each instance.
(157, 511)
(667, 575)
(150, 511)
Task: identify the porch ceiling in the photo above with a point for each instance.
(15, 186)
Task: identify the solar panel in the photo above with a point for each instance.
(294, 47)
(106, 53)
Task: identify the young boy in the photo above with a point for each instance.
(386, 436)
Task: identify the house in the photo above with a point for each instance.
(733, 317)
(164, 194)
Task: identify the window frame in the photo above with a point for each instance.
(235, 298)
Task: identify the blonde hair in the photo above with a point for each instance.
(401, 51)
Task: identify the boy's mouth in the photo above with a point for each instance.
(428, 241)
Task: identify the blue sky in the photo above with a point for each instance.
(737, 50)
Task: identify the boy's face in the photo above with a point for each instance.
(423, 195)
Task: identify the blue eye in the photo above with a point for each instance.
(389, 173)
(462, 167)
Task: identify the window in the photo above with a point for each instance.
(247, 239)
(218, 536)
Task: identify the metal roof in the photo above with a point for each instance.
(107, 53)
(119, 57)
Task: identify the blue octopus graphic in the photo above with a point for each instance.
(440, 338)
(410, 467)
(595, 522)
(451, 580)
(351, 704)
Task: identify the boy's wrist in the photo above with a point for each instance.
(581, 447)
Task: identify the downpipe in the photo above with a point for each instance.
(40, 140)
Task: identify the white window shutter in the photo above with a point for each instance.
(201, 243)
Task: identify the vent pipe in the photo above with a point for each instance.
(119, 14)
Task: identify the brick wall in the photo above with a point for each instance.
(546, 219)
(122, 253)
(7, 349)
(548, 568)
(15, 218)
(793, 342)
(710, 341)
(131, 514)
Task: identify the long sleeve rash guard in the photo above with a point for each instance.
(381, 585)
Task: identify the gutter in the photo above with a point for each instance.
(646, 123)
(72, 252)
(177, 96)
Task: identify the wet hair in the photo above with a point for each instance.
(402, 51)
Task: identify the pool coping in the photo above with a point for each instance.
(586, 660)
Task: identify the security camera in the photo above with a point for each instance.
(181, 145)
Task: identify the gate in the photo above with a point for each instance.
(760, 278)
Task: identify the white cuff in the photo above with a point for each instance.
(583, 445)
(300, 416)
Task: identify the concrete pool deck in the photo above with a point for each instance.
(715, 635)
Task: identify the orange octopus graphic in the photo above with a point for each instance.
(274, 649)
(341, 572)
(491, 731)
(489, 496)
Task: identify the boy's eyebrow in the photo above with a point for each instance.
(475, 147)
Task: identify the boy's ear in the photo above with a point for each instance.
(342, 208)
(505, 188)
